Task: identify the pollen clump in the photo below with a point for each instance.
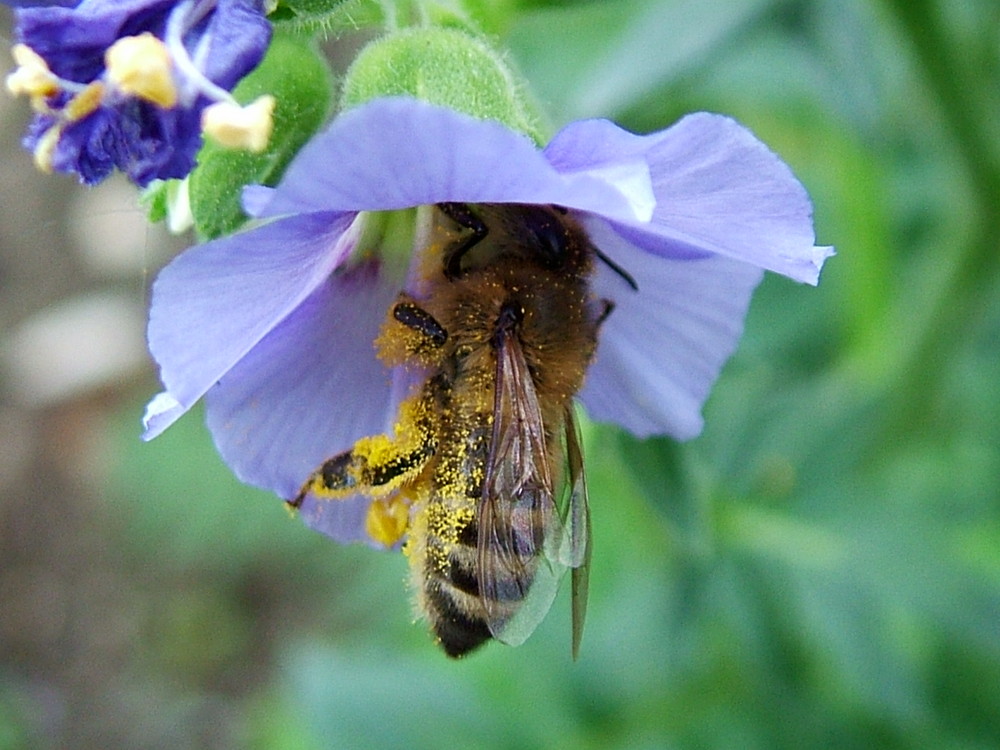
(376, 450)
(387, 519)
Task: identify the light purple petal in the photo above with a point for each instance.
(161, 412)
(311, 387)
(595, 144)
(216, 301)
(663, 346)
(342, 520)
(397, 153)
(718, 189)
(256, 199)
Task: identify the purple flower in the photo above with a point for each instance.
(123, 83)
(274, 326)
(39, 3)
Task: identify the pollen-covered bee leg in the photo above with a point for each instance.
(465, 218)
(380, 467)
(410, 335)
(413, 316)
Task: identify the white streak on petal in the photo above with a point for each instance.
(632, 180)
(161, 412)
(717, 189)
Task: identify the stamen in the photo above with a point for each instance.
(87, 101)
(140, 66)
(234, 126)
(32, 77)
(45, 148)
(179, 23)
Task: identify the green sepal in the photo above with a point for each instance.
(448, 67)
(155, 200)
(303, 102)
(329, 17)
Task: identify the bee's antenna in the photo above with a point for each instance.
(617, 269)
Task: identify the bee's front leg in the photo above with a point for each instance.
(411, 335)
(465, 218)
(418, 319)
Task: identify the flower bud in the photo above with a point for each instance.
(446, 67)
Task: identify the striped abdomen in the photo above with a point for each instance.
(470, 596)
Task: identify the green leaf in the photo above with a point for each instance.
(155, 199)
(598, 59)
(303, 101)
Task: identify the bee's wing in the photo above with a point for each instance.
(518, 519)
(575, 551)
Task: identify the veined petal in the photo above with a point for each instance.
(216, 301)
(398, 152)
(663, 346)
(718, 190)
(311, 386)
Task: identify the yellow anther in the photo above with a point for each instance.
(234, 126)
(85, 102)
(46, 147)
(32, 77)
(387, 520)
(140, 66)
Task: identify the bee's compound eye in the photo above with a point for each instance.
(547, 237)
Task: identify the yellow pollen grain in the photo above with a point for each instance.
(140, 66)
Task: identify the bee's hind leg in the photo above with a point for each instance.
(382, 468)
(379, 464)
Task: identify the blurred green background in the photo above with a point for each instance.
(821, 568)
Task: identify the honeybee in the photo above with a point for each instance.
(484, 471)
